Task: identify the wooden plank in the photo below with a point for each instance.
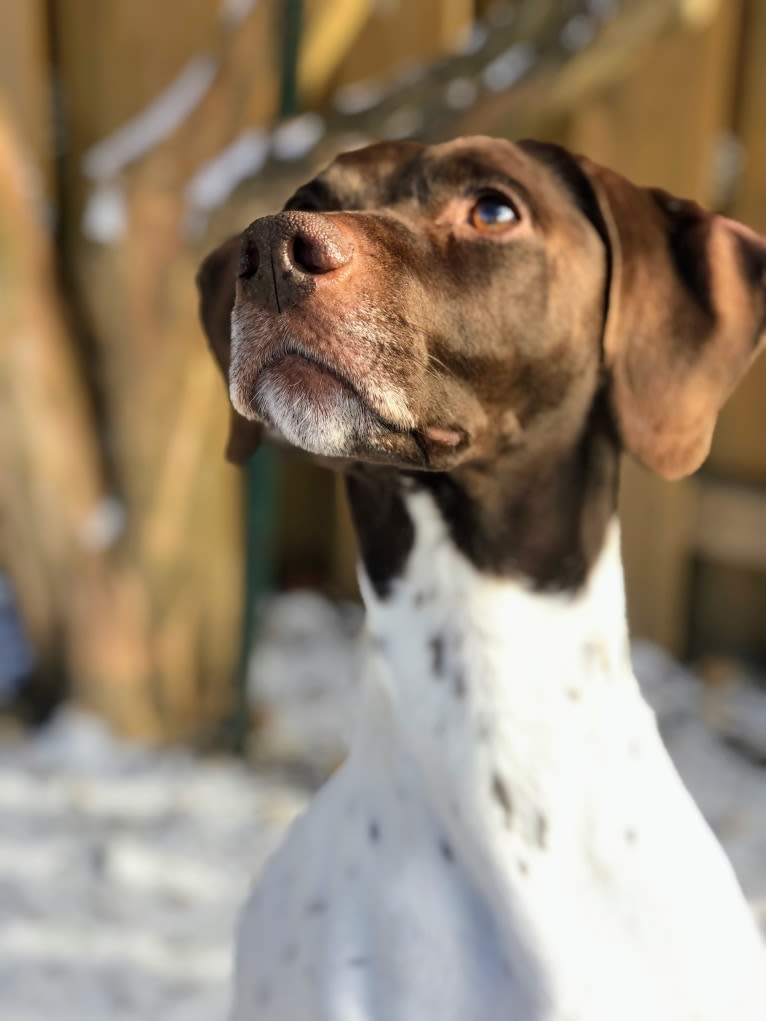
(739, 450)
(332, 26)
(727, 611)
(401, 33)
(25, 81)
(661, 126)
(60, 523)
(117, 59)
(564, 83)
(154, 93)
(656, 522)
(730, 524)
(344, 579)
(131, 51)
(750, 201)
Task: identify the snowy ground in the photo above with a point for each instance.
(121, 869)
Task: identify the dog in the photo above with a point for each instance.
(475, 332)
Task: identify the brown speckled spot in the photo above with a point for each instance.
(502, 796)
(483, 732)
(541, 831)
(289, 953)
(445, 849)
(436, 645)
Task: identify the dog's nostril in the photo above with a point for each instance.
(248, 259)
(317, 255)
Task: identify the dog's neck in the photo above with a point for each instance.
(495, 690)
(502, 727)
(540, 516)
(491, 667)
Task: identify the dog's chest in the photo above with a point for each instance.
(507, 839)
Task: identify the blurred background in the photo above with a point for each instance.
(148, 591)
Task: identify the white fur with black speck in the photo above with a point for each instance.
(546, 863)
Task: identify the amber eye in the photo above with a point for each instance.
(492, 214)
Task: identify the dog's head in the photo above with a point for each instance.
(425, 306)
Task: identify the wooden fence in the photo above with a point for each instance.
(135, 135)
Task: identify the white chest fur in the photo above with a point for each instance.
(508, 838)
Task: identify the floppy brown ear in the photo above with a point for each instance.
(216, 281)
(686, 317)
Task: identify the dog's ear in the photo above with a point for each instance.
(686, 317)
(216, 281)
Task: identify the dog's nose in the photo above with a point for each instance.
(284, 257)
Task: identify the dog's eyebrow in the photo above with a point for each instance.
(315, 196)
(495, 177)
(470, 174)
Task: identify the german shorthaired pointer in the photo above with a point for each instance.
(475, 331)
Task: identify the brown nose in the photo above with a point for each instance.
(284, 257)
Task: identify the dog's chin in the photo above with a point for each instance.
(312, 409)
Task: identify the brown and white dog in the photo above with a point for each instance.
(478, 330)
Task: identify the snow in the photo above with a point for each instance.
(122, 868)
(461, 93)
(509, 68)
(601, 8)
(121, 872)
(294, 138)
(217, 179)
(729, 786)
(403, 123)
(214, 182)
(475, 39)
(105, 217)
(409, 73)
(358, 97)
(233, 12)
(578, 32)
(154, 123)
(103, 526)
(303, 678)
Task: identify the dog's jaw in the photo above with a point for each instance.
(319, 416)
(327, 406)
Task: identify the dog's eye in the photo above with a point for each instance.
(492, 214)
